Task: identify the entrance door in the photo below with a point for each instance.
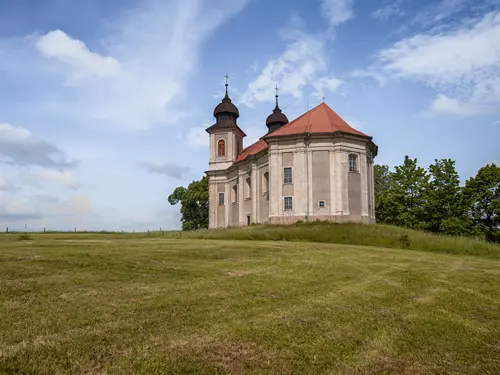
(248, 219)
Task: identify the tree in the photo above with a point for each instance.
(383, 180)
(405, 199)
(482, 197)
(443, 209)
(194, 204)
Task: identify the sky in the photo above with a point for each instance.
(104, 104)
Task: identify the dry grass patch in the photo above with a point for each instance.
(170, 306)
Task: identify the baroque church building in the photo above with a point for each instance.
(315, 167)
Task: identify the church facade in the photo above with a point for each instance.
(316, 167)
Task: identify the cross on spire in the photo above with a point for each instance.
(276, 88)
(324, 99)
(227, 80)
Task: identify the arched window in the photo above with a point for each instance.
(265, 183)
(221, 148)
(353, 163)
(235, 193)
(248, 188)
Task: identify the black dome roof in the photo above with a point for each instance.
(226, 106)
(277, 117)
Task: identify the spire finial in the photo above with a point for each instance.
(324, 99)
(276, 88)
(227, 84)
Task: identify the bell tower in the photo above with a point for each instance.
(226, 138)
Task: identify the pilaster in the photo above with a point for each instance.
(300, 183)
(364, 186)
(212, 203)
(227, 202)
(333, 189)
(372, 184)
(275, 183)
(344, 168)
(254, 195)
(241, 197)
(337, 177)
(309, 182)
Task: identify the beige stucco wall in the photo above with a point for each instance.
(263, 202)
(320, 172)
(354, 191)
(321, 181)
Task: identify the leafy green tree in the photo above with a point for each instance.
(383, 180)
(405, 198)
(442, 208)
(194, 204)
(482, 196)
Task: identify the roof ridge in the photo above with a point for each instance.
(294, 120)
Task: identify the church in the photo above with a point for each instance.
(316, 167)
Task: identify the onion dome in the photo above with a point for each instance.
(226, 107)
(276, 119)
(226, 115)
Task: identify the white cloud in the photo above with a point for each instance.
(303, 63)
(62, 178)
(462, 64)
(139, 77)
(389, 10)
(496, 122)
(18, 146)
(75, 54)
(337, 11)
(6, 185)
(444, 105)
(324, 84)
(438, 11)
(169, 169)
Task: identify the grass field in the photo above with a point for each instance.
(123, 304)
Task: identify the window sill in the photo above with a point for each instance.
(248, 199)
(353, 171)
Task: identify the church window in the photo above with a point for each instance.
(353, 163)
(248, 188)
(288, 203)
(235, 194)
(221, 199)
(321, 204)
(287, 175)
(221, 148)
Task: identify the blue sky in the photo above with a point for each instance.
(103, 104)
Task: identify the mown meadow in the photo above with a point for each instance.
(259, 300)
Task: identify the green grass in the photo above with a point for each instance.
(122, 304)
(353, 234)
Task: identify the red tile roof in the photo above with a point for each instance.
(320, 119)
(252, 150)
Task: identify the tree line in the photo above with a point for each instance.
(432, 199)
(410, 196)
